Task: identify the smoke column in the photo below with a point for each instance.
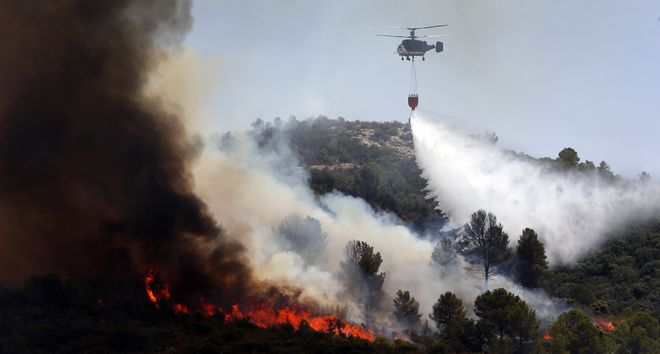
(572, 212)
(93, 174)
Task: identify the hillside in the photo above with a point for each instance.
(370, 160)
(50, 316)
(622, 275)
(375, 161)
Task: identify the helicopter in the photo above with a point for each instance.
(411, 46)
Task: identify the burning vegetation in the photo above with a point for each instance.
(155, 296)
(94, 174)
(263, 315)
(546, 336)
(604, 325)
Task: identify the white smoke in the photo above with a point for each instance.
(251, 191)
(572, 212)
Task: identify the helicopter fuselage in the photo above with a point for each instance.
(413, 47)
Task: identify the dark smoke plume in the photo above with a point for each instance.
(93, 175)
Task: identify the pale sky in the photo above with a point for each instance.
(543, 75)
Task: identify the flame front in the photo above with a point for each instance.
(179, 308)
(605, 326)
(262, 316)
(155, 295)
(265, 317)
(547, 336)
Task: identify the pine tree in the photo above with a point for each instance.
(531, 262)
(483, 241)
(459, 333)
(446, 310)
(506, 321)
(361, 277)
(406, 310)
(568, 157)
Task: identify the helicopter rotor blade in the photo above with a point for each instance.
(408, 28)
(434, 35)
(425, 27)
(391, 35)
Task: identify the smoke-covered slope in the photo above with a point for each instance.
(622, 273)
(371, 160)
(573, 206)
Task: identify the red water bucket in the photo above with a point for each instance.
(413, 101)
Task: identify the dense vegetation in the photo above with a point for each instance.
(616, 281)
(370, 160)
(51, 316)
(624, 273)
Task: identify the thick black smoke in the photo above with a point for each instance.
(93, 175)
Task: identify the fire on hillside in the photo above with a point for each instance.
(262, 315)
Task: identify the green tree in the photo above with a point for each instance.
(582, 294)
(360, 256)
(406, 310)
(605, 171)
(457, 331)
(506, 322)
(371, 179)
(361, 277)
(531, 262)
(448, 308)
(573, 333)
(569, 157)
(483, 241)
(637, 333)
(587, 166)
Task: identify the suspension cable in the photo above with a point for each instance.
(413, 79)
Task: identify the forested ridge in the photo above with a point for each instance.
(616, 285)
(375, 161)
(622, 274)
(371, 160)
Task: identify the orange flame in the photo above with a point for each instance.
(547, 336)
(179, 308)
(262, 316)
(265, 317)
(155, 295)
(161, 294)
(605, 326)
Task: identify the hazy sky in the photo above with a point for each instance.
(541, 74)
